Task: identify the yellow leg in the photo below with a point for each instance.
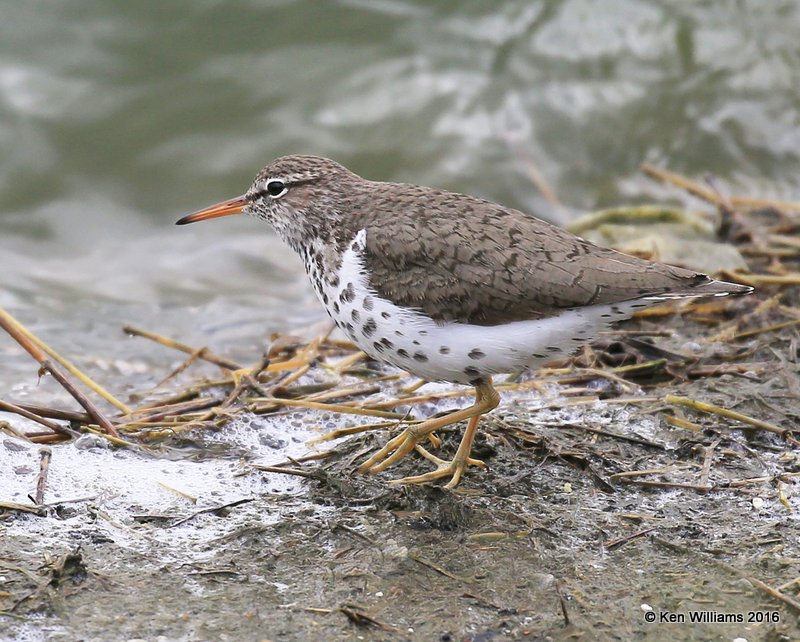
(486, 399)
(453, 469)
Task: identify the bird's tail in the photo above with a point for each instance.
(706, 287)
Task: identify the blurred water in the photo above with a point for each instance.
(118, 117)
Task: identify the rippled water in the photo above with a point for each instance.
(117, 117)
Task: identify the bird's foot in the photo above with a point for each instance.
(397, 448)
(453, 469)
(239, 375)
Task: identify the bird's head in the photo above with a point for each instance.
(297, 195)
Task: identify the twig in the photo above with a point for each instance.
(606, 433)
(41, 482)
(729, 414)
(271, 402)
(174, 410)
(770, 328)
(55, 413)
(9, 321)
(774, 593)
(23, 508)
(684, 424)
(439, 569)
(202, 353)
(708, 195)
(763, 279)
(32, 349)
(357, 617)
(769, 590)
(563, 602)
(708, 458)
(619, 541)
(658, 484)
(186, 363)
(284, 471)
(346, 432)
(212, 509)
(7, 406)
(651, 471)
(738, 483)
(313, 457)
(718, 369)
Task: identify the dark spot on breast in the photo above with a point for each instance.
(348, 294)
(386, 315)
(415, 342)
(325, 298)
(472, 371)
(369, 327)
(369, 303)
(387, 343)
(537, 355)
(349, 327)
(378, 346)
(444, 350)
(355, 314)
(553, 349)
(423, 333)
(402, 353)
(420, 356)
(605, 316)
(476, 354)
(334, 282)
(336, 307)
(398, 333)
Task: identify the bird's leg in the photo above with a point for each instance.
(453, 469)
(486, 399)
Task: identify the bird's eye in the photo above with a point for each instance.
(276, 188)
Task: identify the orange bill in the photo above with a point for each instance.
(226, 208)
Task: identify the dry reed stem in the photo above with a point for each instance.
(22, 412)
(12, 327)
(55, 413)
(273, 402)
(10, 321)
(283, 471)
(711, 195)
(203, 353)
(23, 508)
(756, 280)
(702, 406)
(185, 364)
(685, 424)
(629, 474)
(770, 328)
(355, 430)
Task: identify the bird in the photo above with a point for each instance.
(449, 287)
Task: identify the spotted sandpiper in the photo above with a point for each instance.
(449, 287)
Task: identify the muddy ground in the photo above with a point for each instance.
(556, 540)
(546, 544)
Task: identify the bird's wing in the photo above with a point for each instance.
(476, 262)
